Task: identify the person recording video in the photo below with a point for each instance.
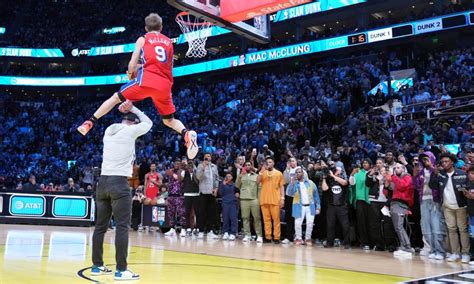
(336, 185)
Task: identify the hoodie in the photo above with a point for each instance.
(119, 145)
(419, 179)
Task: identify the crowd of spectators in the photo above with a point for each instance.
(288, 109)
(53, 32)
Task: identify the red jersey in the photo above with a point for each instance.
(152, 189)
(157, 60)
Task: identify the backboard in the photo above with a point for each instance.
(256, 29)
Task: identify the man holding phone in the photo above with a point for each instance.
(207, 175)
(272, 199)
(249, 191)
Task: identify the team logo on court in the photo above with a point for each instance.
(336, 189)
(19, 205)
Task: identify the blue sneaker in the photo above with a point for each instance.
(126, 275)
(100, 270)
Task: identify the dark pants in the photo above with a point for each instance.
(190, 203)
(381, 231)
(320, 221)
(341, 214)
(136, 214)
(229, 216)
(208, 213)
(362, 213)
(113, 196)
(289, 220)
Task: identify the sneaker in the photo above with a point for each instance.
(277, 242)
(183, 233)
(425, 252)
(171, 233)
(439, 256)
(308, 243)
(85, 127)
(378, 248)
(126, 275)
(189, 233)
(366, 248)
(225, 237)
(285, 241)
(246, 239)
(465, 258)
(297, 242)
(259, 240)
(211, 235)
(100, 270)
(151, 229)
(403, 254)
(266, 241)
(200, 235)
(232, 238)
(453, 258)
(399, 252)
(432, 256)
(471, 263)
(190, 139)
(140, 228)
(328, 246)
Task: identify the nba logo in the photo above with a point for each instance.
(154, 214)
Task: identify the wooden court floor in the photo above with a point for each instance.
(46, 254)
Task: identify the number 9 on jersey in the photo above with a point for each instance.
(160, 54)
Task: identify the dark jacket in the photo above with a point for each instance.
(470, 202)
(374, 186)
(190, 185)
(459, 180)
(227, 192)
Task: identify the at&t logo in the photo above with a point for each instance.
(19, 205)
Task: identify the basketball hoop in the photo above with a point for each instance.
(196, 31)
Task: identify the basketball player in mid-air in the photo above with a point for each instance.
(153, 79)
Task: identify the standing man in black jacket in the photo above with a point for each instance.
(191, 195)
(452, 183)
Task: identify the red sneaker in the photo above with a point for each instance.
(190, 139)
(308, 243)
(85, 127)
(298, 242)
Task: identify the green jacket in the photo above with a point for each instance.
(359, 191)
(249, 188)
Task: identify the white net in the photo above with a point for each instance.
(196, 32)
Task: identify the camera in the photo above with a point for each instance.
(326, 170)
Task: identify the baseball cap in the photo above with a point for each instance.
(131, 117)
